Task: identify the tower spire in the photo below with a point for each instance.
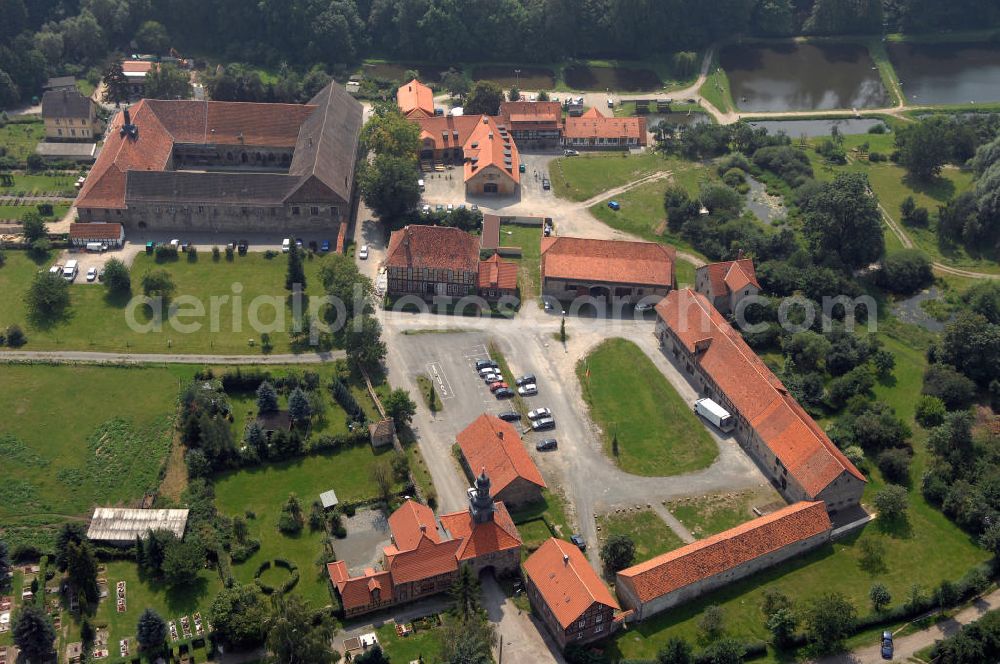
(480, 500)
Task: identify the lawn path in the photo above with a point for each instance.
(672, 522)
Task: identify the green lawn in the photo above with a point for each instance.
(529, 239)
(18, 211)
(708, 515)
(684, 272)
(264, 489)
(102, 432)
(658, 434)
(20, 138)
(551, 507)
(589, 174)
(422, 642)
(715, 90)
(651, 535)
(95, 322)
(27, 185)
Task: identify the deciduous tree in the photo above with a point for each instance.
(618, 552)
(151, 632)
(238, 615)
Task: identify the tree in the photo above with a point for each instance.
(238, 615)
(292, 635)
(295, 274)
(116, 277)
(399, 406)
(116, 87)
(892, 503)
(725, 651)
(389, 185)
(907, 271)
(182, 561)
(679, 207)
(971, 344)
(468, 641)
(256, 439)
(5, 567)
(373, 655)
(33, 633)
(807, 349)
(953, 389)
(291, 520)
(382, 477)
(455, 82)
(158, 283)
(829, 620)
(923, 149)
(166, 81)
(618, 552)
(33, 227)
(151, 632)
(782, 624)
(388, 132)
(842, 219)
(71, 532)
(47, 297)
(562, 331)
(675, 651)
(930, 411)
(152, 37)
(341, 279)
(720, 199)
(880, 597)
(712, 621)
(464, 594)
(514, 94)
(87, 634)
(82, 571)
(485, 99)
(684, 63)
(298, 406)
(364, 344)
(984, 299)
(895, 465)
(267, 398)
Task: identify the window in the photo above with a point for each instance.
(599, 628)
(201, 209)
(333, 212)
(582, 624)
(59, 131)
(295, 210)
(600, 617)
(314, 210)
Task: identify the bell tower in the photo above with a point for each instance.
(480, 501)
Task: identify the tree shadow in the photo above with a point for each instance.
(898, 528)
(939, 188)
(117, 299)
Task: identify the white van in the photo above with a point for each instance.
(286, 245)
(420, 183)
(70, 270)
(714, 413)
(97, 247)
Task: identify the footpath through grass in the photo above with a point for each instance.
(72, 437)
(589, 174)
(629, 398)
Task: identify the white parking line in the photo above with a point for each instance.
(476, 352)
(438, 376)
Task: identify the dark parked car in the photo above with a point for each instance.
(510, 416)
(482, 364)
(546, 445)
(504, 393)
(525, 379)
(546, 184)
(887, 648)
(579, 542)
(241, 247)
(543, 424)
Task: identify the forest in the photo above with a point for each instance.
(39, 38)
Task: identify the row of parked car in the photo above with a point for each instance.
(527, 385)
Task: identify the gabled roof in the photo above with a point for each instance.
(137, 68)
(488, 145)
(497, 273)
(729, 549)
(427, 559)
(327, 145)
(95, 231)
(59, 82)
(357, 592)
(531, 114)
(594, 125)
(730, 276)
(494, 445)
(611, 261)
(415, 96)
(479, 539)
(446, 131)
(230, 122)
(433, 247)
(411, 522)
(566, 581)
(66, 103)
(794, 437)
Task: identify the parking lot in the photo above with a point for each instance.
(448, 186)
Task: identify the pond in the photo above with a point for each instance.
(947, 73)
(817, 128)
(395, 71)
(913, 310)
(530, 78)
(615, 79)
(682, 119)
(802, 77)
(769, 209)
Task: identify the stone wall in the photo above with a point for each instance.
(223, 218)
(565, 289)
(519, 492)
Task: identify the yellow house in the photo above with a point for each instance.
(69, 116)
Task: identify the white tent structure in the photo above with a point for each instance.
(119, 525)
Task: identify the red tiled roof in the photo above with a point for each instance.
(231, 122)
(446, 131)
(794, 437)
(531, 114)
(427, 559)
(95, 231)
(356, 592)
(490, 237)
(411, 522)
(731, 276)
(729, 549)
(497, 273)
(566, 581)
(494, 445)
(434, 248)
(137, 66)
(479, 539)
(612, 261)
(415, 96)
(594, 125)
(488, 146)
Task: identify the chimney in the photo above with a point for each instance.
(500, 435)
(423, 528)
(128, 118)
(565, 559)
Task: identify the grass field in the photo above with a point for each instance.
(651, 535)
(95, 322)
(658, 434)
(708, 515)
(551, 507)
(529, 239)
(20, 138)
(263, 490)
(715, 90)
(425, 643)
(18, 211)
(587, 175)
(104, 432)
(684, 272)
(27, 185)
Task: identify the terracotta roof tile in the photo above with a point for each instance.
(497, 273)
(415, 96)
(612, 261)
(95, 231)
(137, 66)
(411, 522)
(729, 549)
(794, 437)
(433, 247)
(231, 122)
(356, 592)
(495, 445)
(594, 125)
(521, 115)
(427, 559)
(446, 131)
(566, 581)
(730, 276)
(479, 539)
(487, 146)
